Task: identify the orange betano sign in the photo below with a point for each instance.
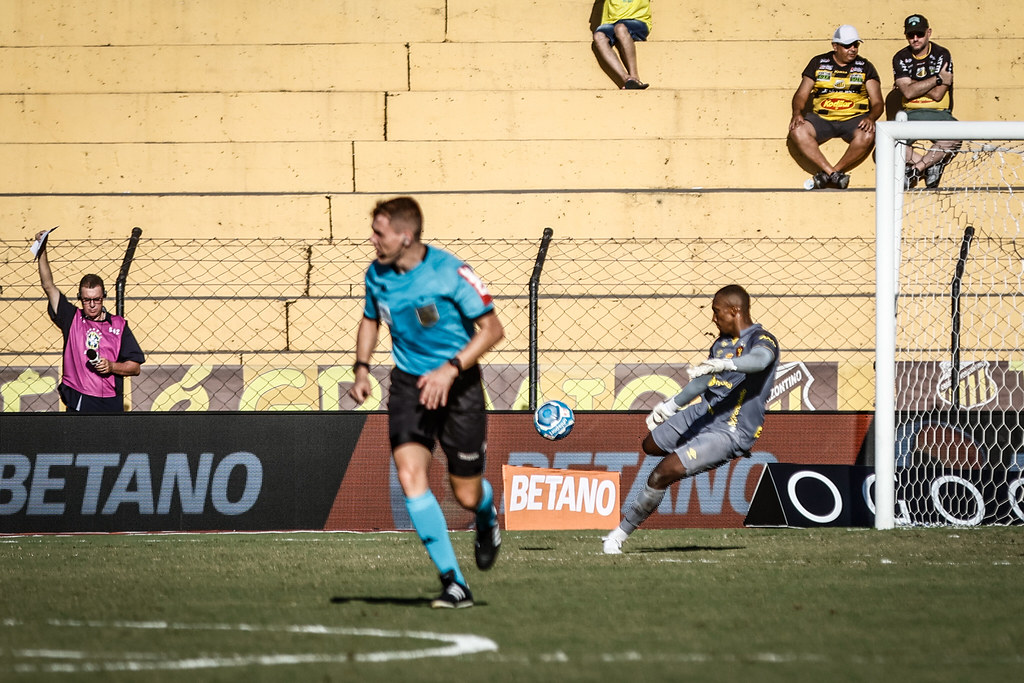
(537, 498)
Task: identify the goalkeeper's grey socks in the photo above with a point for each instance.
(647, 501)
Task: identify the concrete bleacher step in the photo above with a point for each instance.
(125, 22)
(450, 66)
(228, 22)
(422, 116)
(404, 167)
(329, 117)
(106, 69)
(651, 115)
(511, 165)
(279, 167)
(750, 21)
(701, 64)
(448, 216)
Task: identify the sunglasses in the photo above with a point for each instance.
(849, 46)
(915, 34)
(97, 300)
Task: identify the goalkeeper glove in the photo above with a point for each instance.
(711, 366)
(662, 412)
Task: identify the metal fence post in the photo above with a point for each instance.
(126, 264)
(538, 266)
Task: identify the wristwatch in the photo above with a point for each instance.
(456, 363)
(938, 79)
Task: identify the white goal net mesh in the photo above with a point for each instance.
(960, 341)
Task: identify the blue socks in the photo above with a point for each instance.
(428, 520)
(485, 512)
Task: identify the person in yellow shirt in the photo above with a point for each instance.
(923, 73)
(622, 23)
(840, 96)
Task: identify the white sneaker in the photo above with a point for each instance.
(612, 546)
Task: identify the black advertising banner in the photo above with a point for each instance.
(802, 496)
(172, 472)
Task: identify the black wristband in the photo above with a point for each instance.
(456, 363)
(360, 364)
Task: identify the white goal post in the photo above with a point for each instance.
(987, 197)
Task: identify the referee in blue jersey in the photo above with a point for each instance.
(442, 320)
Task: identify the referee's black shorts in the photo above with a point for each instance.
(460, 426)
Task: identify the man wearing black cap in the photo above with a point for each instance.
(923, 73)
(843, 93)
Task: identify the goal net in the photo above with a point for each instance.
(949, 441)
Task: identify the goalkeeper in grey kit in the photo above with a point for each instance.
(734, 385)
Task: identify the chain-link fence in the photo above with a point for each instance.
(269, 324)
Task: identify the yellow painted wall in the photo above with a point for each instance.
(276, 103)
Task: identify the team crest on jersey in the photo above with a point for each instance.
(474, 280)
(427, 315)
(93, 338)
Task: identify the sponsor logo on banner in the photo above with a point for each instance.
(792, 389)
(537, 498)
(975, 383)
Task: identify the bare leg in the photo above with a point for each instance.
(806, 141)
(627, 48)
(608, 56)
(859, 148)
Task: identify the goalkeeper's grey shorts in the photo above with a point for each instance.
(700, 442)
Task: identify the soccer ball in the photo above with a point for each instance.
(553, 420)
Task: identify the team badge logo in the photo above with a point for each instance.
(976, 384)
(93, 338)
(428, 315)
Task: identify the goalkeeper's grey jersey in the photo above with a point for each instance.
(738, 400)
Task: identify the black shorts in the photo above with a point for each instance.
(78, 402)
(825, 129)
(460, 426)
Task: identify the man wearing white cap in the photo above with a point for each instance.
(840, 96)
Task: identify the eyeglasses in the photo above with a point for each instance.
(97, 300)
(915, 34)
(848, 46)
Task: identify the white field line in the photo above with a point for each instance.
(73, 661)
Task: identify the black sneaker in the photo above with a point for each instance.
(488, 542)
(454, 594)
(820, 180)
(911, 177)
(839, 180)
(933, 174)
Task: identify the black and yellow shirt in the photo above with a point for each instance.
(840, 92)
(906, 65)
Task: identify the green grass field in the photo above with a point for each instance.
(709, 605)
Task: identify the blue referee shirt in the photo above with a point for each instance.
(430, 309)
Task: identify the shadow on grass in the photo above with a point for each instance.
(686, 549)
(387, 600)
(379, 600)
